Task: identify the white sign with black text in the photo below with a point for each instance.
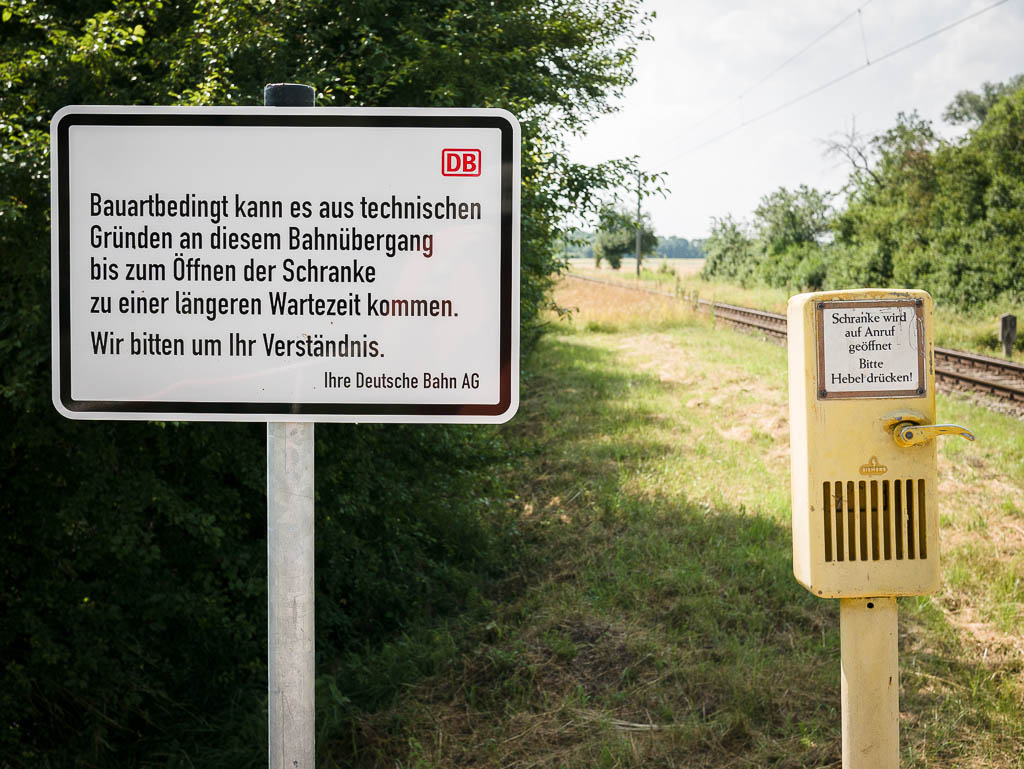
(870, 349)
(355, 265)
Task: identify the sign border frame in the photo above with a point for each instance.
(509, 267)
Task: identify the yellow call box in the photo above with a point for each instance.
(862, 414)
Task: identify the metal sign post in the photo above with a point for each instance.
(290, 563)
(290, 626)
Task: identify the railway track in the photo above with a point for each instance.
(957, 369)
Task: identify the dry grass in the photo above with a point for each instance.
(683, 276)
(977, 331)
(599, 308)
(682, 267)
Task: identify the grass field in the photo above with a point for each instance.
(652, 619)
(977, 331)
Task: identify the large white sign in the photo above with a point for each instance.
(870, 349)
(259, 264)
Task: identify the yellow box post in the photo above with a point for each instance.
(870, 683)
(865, 522)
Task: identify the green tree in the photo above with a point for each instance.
(616, 237)
(941, 215)
(784, 218)
(730, 252)
(888, 204)
(132, 559)
(971, 107)
(790, 226)
(920, 212)
(786, 247)
(977, 238)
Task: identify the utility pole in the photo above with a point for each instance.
(639, 195)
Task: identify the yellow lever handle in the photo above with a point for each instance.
(911, 434)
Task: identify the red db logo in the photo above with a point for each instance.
(460, 162)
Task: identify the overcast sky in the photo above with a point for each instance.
(707, 53)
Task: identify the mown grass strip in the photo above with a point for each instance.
(652, 619)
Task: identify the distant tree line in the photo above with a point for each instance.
(917, 211)
(579, 244)
(674, 247)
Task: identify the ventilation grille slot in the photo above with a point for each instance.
(875, 520)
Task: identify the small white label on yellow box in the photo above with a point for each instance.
(870, 349)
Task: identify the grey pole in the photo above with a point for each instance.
(1008, 333)
(639, 195)
(290, 628)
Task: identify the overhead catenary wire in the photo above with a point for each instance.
(834, 81)
(863, 37)
(779, 68)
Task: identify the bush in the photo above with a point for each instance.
(135, 584)
(133, 595)
(730, 253)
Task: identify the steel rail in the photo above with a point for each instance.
(984, 362)
(1002, 390)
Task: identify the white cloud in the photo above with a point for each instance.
(704, 55)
